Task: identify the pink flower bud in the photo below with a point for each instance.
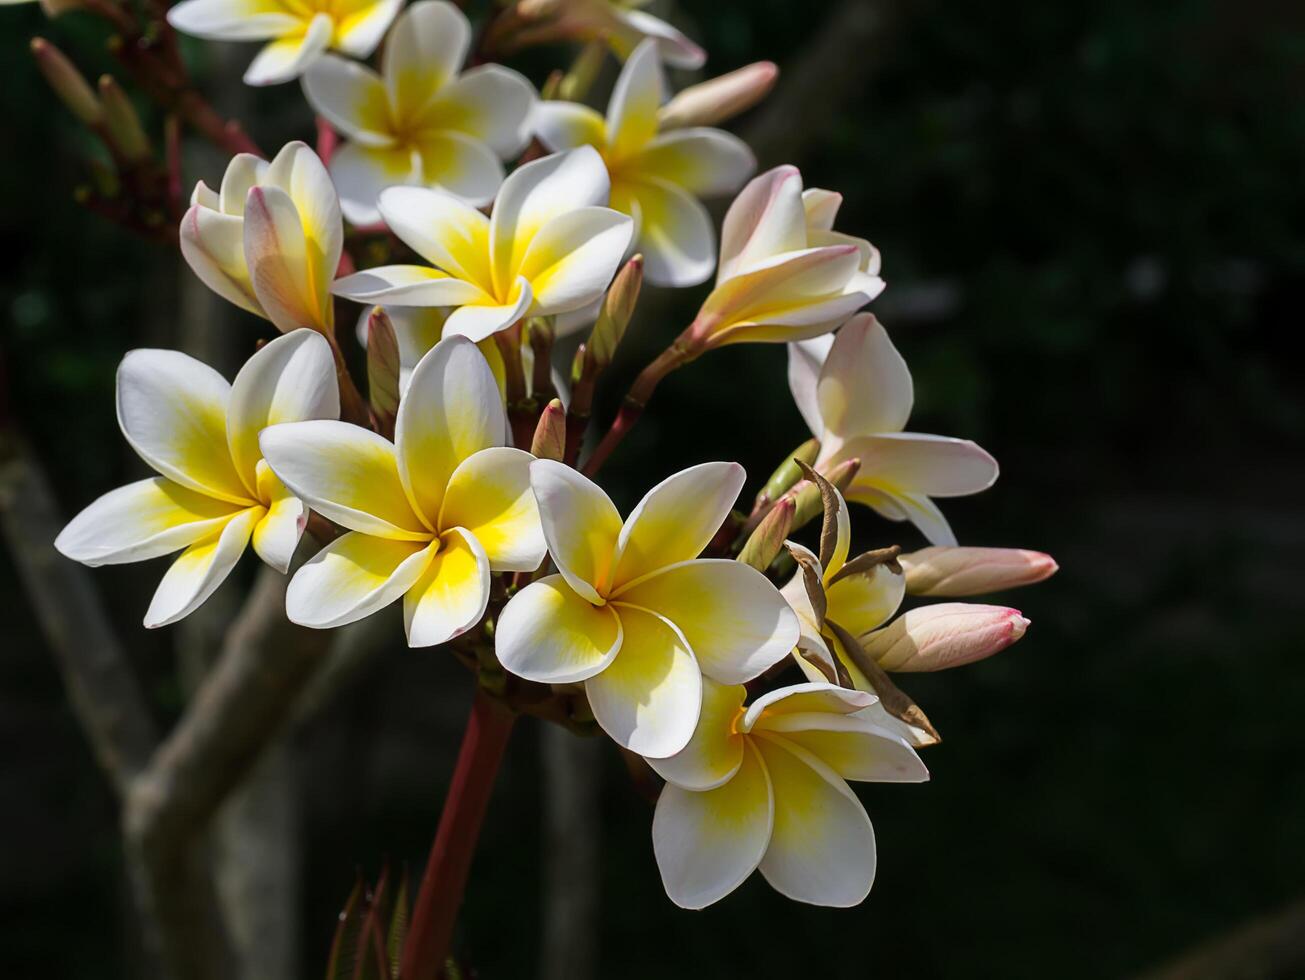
(720, 98)
(973, 571)
(550, 433)
(946, 635)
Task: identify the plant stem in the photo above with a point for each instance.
(636, 399)
(483, 742)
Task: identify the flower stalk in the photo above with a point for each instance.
(483, 743)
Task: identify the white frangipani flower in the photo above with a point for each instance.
(270, 240)
(419, 121)
(855, 392)
(656, 177)
(634, 613)
(430, 515)
(765, 787)
(298, 31)
(783, 273)
(214, 492)
(550, 246)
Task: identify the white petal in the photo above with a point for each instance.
(286, 58)
(676, 49)
(581, 526)
(407, 285)
(352, 577)
(676, 519)
(865, 387)
(736, 622)
(822, 847)
(443, 230)
(213, 245)
(351, 97)
(451, 411)
(425, 50)
(244, 172)
(708, 843)
(862, 602)
(292, 379)
(937, 466)
(573, 257)
(638, 94)
(854, 746)
(452, 595)
(347, 474)
(914, 507)
(548, 633)
(460, 165)
(482, 319)
(649, 697)
(232, 20)
(716, 750)
(489, 494)
(566, 125)
(173, 411)
(805, 359)
(142, 520)
(200, 569)
(704, 161)
(818, 696)
(766, 219)
(361, 31)
(282, 264)
(362, 172)
(534, 194)
(675, 233)
(277, 535)
(821, 207)
(491, 103)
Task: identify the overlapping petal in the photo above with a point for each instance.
(362, 25)
(766, 219)
(548, 633)
(675, 234)
(708, 843)
(865, 386)
(735, 621)
(173, 411)
(347, 474)
(288, 56)
(351, 97)
(566, 125)
(703, 161)
(716, 750)
(361, 172)
(489, 495)
(581, 526)
(408, 285)
(459, 165)
(232, 20)
(853, 746)
(451, 595)
(446, 232)
(649, 697)
(354, 576)
(200, 569)
(277, 535)
(632, 112)
(426, 48)
(213, 245)
(491, 103)
(573, 257)
(676, 519)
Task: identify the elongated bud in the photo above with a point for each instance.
(580, 77)
(614, 317)
(767, 540)
(67, 82)
(550, 433)
(720, 98)
(122, 123)
(811, 502)
(382, 371)
(946, 635)
(787, 473)
(56, 8)
(952, 572)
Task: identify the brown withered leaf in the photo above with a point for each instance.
(811, 580)
(829, 524)
(897, 702)
(871, 559)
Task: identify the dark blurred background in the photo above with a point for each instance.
(1092, 218)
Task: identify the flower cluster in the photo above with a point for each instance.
(749, 670)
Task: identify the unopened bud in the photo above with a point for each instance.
(67, 82)
(122, 123)
(55, 8)
(766, 541)
(788, 473)
(720, 98)
(550, 433)
(949, 634)
(382, 371)
(973, 571)
(614, 316)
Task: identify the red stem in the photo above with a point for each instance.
(483, 743)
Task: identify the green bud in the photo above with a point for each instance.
(122, 123)
(614, 317)
(67, 82)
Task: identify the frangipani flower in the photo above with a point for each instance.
(766, 788)
(855, 393)
(419, 121)
(634, 613)
(656, 179)
(783, 274)
(550, 247)
(298, 31)
(618, 22)
(270, 240)
(214, 491)
(430, 515)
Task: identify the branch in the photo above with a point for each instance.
(1267, 948)
(102, 687)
